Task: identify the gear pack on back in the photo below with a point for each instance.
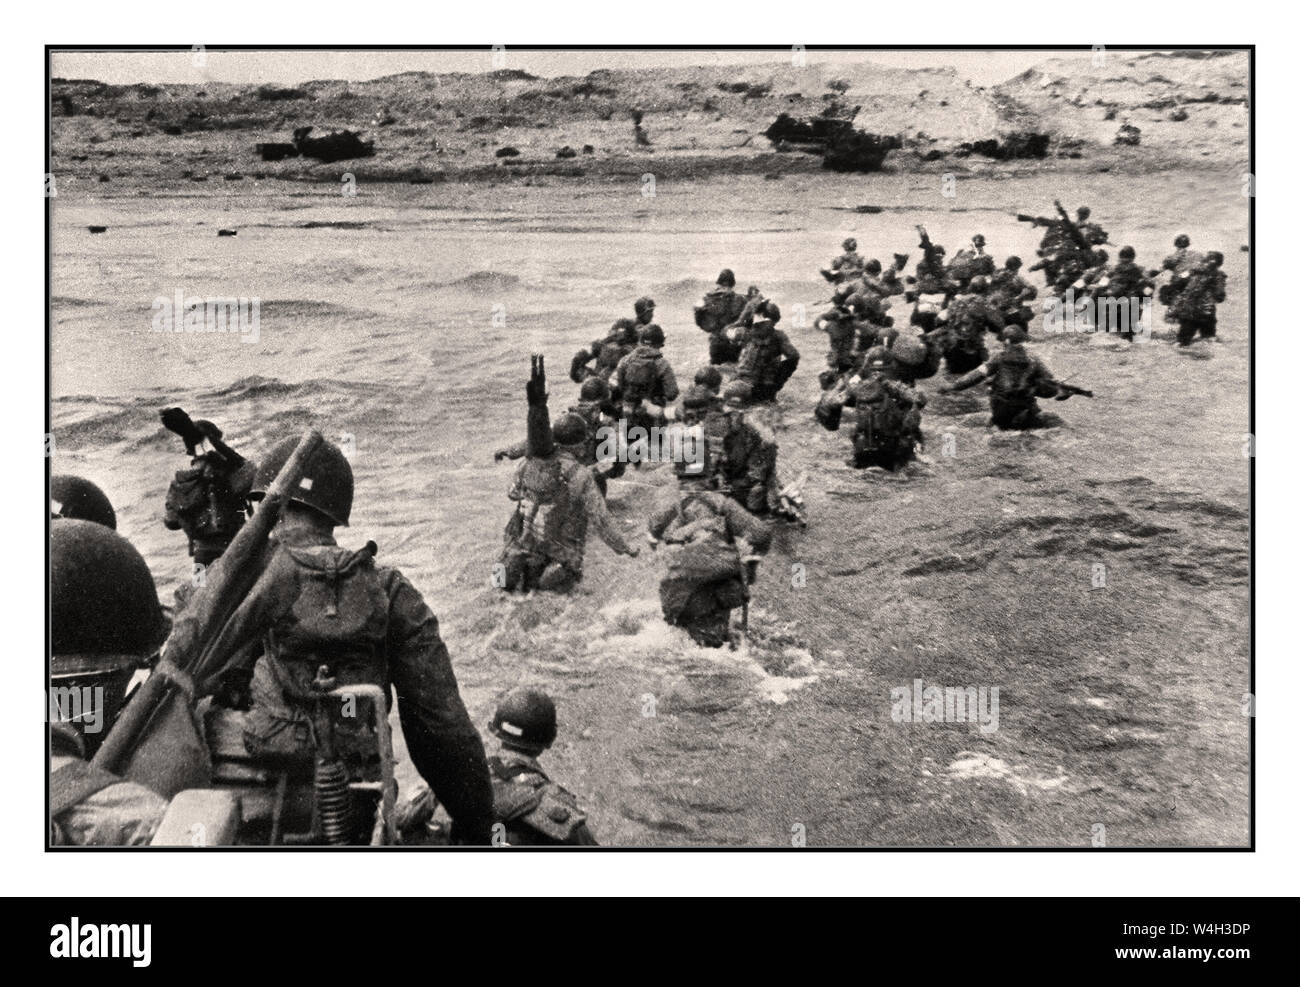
(881, 419)
(1014, 379)
(339, 619)
(640, 376)
(201, 502)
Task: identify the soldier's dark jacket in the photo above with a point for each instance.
(767, 354)
(643, 375)
(743, 458)
(396, 645)
(558, 498)
(535, 810)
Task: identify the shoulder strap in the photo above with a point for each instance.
(75, 782)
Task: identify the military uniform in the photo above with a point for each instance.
(605, 352)
(535, 810)
(705, 580)
(970, 317)
(722, 307)
(644, 375)
(887, 428)
(556, 499)
(317, 603)
(846, 266)
(743, 461)
(841, 328)
(92, 807)
(1126, 280)
(1016, 379)
(767, 360)
(208, 501)
(1009, 292)
(1195, 309)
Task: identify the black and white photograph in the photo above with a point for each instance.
(686, 447)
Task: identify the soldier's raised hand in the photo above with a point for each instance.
(536, 387)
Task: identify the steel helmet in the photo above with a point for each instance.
(1182, 240)
(326, 484)
(877, 358)
(105, 622)
(643, 306)
(525, 719)
(594, 389)
(772, 311)
(1015, 334)
(850, 244)
(652, 335)
(76, 498)
(873, 266)
(1013, 263)
(727, 278)
(698, 397)
(570, 430)
(103, 601)
(709, 377)
(1127, 253)
(908, 350)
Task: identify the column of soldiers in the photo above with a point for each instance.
(319, 611)
(957, 305)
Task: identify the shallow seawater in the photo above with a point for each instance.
(403, 318)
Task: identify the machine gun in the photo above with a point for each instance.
(194, 434)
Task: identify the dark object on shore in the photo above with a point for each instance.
(234, 176)
(507, 152)
(1128, 136)
(105, 178)
(1021, 144)
(227, 232)
(843, 148)
(97, 229)
(566, 152)
(276, 152)
(588, 149)
(338, 146)
(871, 210)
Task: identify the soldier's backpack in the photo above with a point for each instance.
(882, 424)
(339, 619)
(524, 799)
(830, 407)
(758, 359)
(640, 377)
(539, 484)
(1014, 379)
(200, 501)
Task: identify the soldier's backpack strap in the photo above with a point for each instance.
(75, 782)
(512, 799)
(557, 815)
